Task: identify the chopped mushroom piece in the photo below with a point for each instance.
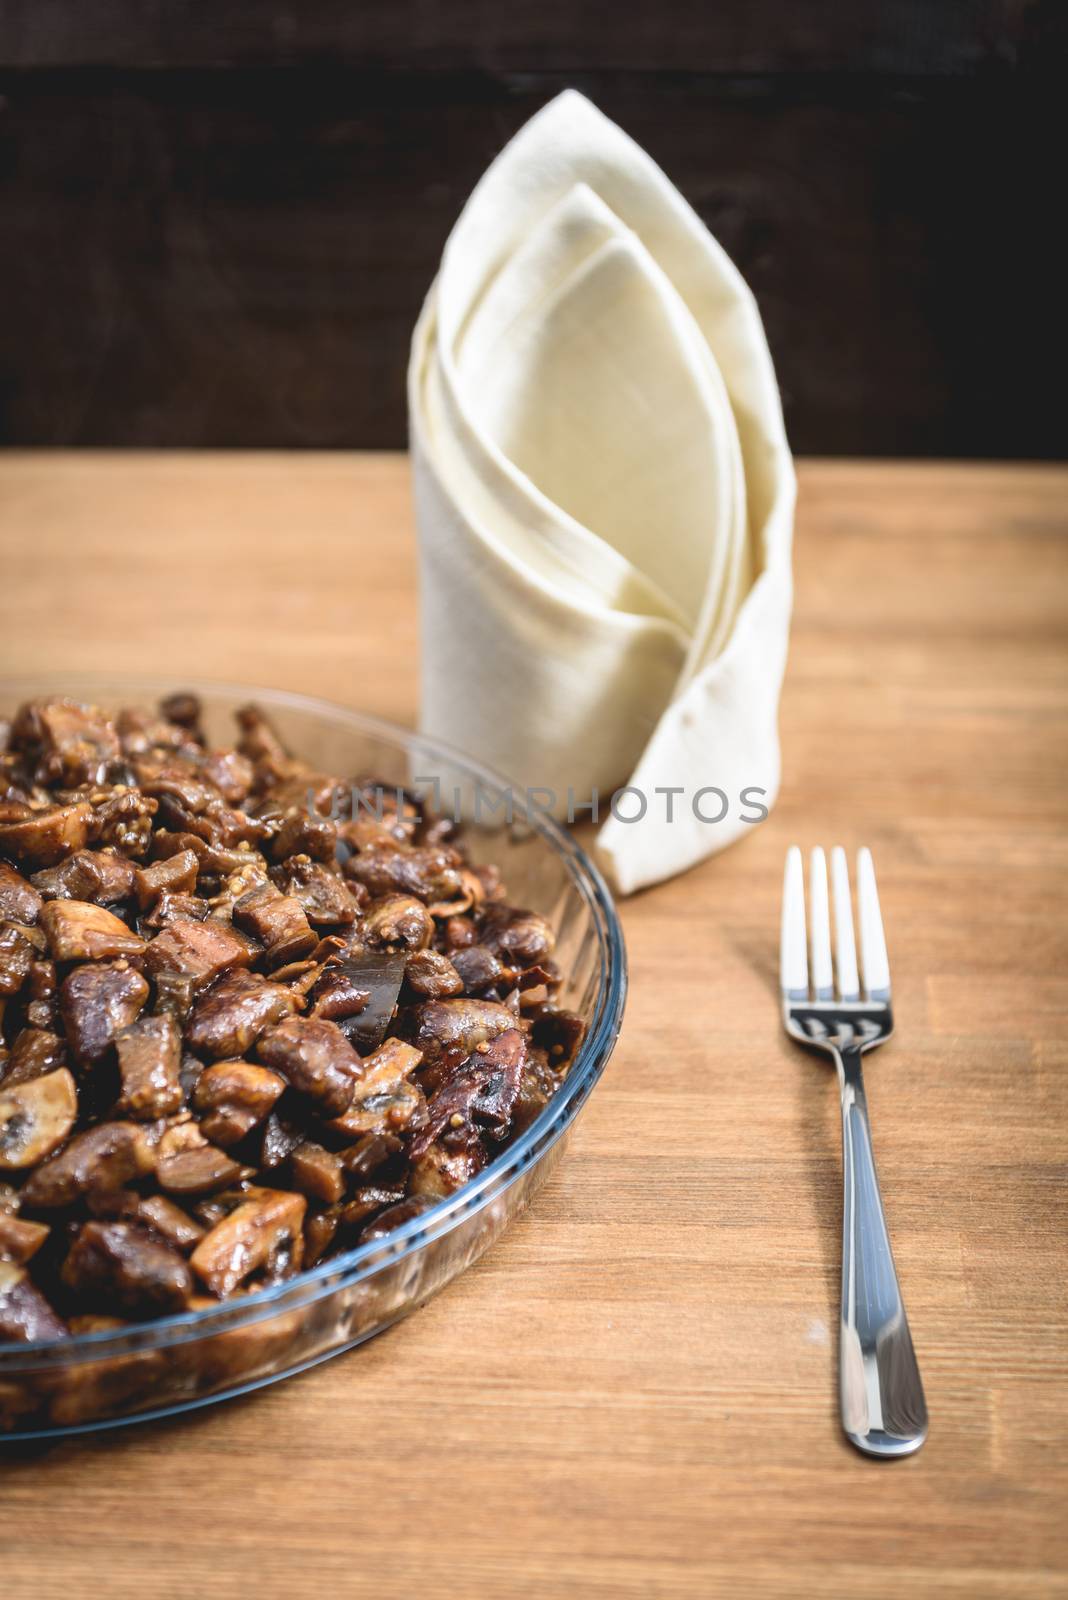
(266, 1225)
(124, 1265)
(35, 1052)
(447, 1031)
(316, 1058)
(25, 1314)
(446, 1164)
(173, 1225)
(19, 900)
(44, 837)
(325, 897)
(396, 1216)
(384, 1099)
(229, 1017)
(234, 1097)
(432, 975)
(105, 1157)
(202, 1170)
(96, 1002)
(17, 954)
(398, 922)
(79, 931)
(35, 1118)
(101, 876)
(70, 743)
(366, 1202)
(431, 874)
(19, 1239)
(150, 1058)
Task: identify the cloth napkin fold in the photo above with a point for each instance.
(604, 497)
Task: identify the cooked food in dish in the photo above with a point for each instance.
(251, 1014)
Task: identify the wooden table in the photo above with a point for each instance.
(634, 1394)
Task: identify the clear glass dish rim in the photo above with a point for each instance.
(353, 1266)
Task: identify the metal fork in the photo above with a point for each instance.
(883, 1408)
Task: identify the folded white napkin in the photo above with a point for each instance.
(604, 496)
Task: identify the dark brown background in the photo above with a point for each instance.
(217, 220)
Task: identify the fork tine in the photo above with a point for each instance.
(820, 918)
(793, 955)
(845, 950)
(872, 938)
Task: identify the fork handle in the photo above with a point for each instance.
(883, 1408)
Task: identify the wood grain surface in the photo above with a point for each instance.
(633, 1395)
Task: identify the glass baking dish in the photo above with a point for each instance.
(153, 1369)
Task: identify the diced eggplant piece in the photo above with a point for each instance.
(366, 1202)
(265, 1228)
(196, 1172)
(277, 920)
(120, 1264)
(385, 1100)
(432, 975)
(317, 1172)
(228, 1018)
(150, 1059)
(379, 975)
(446, 1031)
(25, 1315)
(233, 1097)
(316, 1058)
(175, 874)
(17, 955)
(398, 922)
(70, 743)
(35, 1053)
(45, 837)
(80, 931)
(370, 1153)
(188, 955)
(170, 908)
(325, 898)
(100, 876)
(96, 1002)
(19, 1239)
(35, 1118)
(394, 1217)
(19, 900)
(105, 1157)
(429, 873)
